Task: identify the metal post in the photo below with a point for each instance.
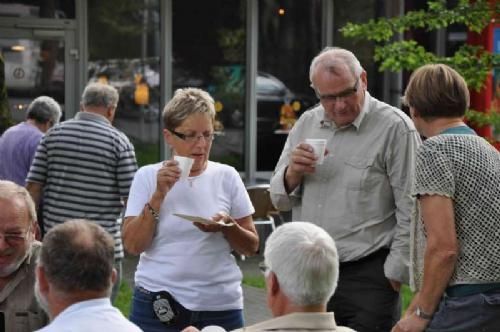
(251, 93)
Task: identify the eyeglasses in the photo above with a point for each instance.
(263, 268)
(15, 237)
(193, 138)
(341, 95)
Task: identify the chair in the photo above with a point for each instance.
(264, 209)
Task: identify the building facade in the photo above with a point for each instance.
(253, 56)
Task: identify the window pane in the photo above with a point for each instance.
(289, 37)
(209, 53)
(62, 9)
(124, 44)
(32, 68)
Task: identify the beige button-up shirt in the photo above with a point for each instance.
(361, 193)
(17, 299)
(299, 321)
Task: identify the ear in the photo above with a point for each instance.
(43, 283)
(114, 276)
(35, 231)
(110, 113)
(274, 285)
(168, 136)
(414, 113)
(364, 79)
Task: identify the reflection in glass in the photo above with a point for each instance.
(32, 68)
(124, 46)
(289, 37)
(209, 53)
(59, 9)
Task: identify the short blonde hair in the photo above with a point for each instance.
(437, 91)
(186, 102)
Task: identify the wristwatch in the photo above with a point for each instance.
(422, 314)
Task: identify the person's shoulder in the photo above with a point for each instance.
(389, 114)
(312, 114)
(221, 168)
(150, 168)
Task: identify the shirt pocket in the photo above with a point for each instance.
(357, 173)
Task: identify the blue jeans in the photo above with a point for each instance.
(478, 312)
(142, 315)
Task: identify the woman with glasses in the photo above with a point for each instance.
(186, 274)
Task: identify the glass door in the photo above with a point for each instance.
(37, 62)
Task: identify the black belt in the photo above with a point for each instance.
(380, 253)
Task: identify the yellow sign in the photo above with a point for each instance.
(141, 94)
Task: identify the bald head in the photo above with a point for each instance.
(78, 256)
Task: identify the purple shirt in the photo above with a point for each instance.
(17, 148)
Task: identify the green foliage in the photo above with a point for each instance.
(406, 297)
(475, 15)
(482, 119)
(473, 62)
(146, 153)
(254, 281)
(124, 299)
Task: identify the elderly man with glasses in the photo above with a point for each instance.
(19, 310)
(360, 193)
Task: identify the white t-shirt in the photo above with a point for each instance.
(197, 268)
(91, 315)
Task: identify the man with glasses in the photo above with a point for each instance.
(360, 194)
(19, 250)
(84, 168)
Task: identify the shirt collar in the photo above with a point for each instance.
(325, 123)
(90, 116)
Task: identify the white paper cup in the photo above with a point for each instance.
(185, 165)
(319, 146)
(213, 328)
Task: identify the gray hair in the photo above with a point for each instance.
(44, 109)
(78, 255)
(10, 190)
(332, 59)
(99, 95)
(186, 102)
(304, 259)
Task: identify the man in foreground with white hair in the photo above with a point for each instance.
(301, 267)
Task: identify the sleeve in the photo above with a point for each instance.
(400, 170)
(241, 205)
(141, 190)
(433, 173)
(127, 166)
(38, 169)
(280, 198)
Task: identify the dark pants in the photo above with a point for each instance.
(143, 315)
(364, 299)
(478, 312)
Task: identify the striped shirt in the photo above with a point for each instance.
(86, 167)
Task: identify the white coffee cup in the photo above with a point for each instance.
(319, 146)
(185, 165)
